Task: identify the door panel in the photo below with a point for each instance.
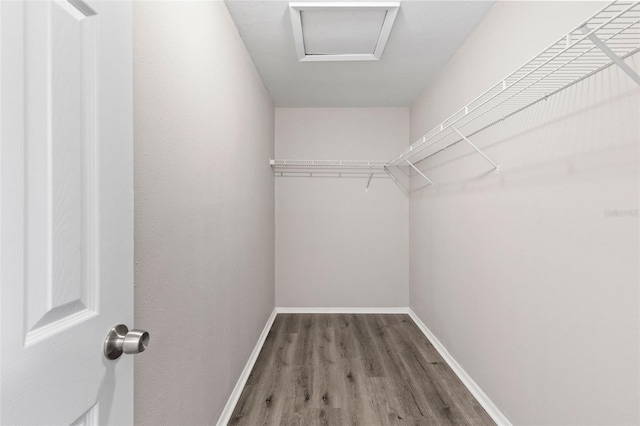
(66, 212)
(62, 239)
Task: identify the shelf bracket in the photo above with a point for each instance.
(398, 184)
(416, 169)
(495, 166)
(611, 54)
(368, 183)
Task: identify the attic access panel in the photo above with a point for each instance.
(341, 31)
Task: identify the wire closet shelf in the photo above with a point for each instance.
(607, 38)
(337, 168)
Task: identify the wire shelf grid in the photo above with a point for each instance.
(568, 61)
(338, 168)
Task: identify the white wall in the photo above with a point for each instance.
(204, 225)
(522, 275)
(337, 245)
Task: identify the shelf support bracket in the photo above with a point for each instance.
(393, 178)
(416, 169)
(611, 54)
(495, 166)
(368, 183)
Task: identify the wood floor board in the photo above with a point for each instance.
(353, 369)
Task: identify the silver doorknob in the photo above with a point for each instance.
(120, 340)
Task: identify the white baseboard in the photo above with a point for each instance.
(225, 417)
(320, 310)
(473, 387)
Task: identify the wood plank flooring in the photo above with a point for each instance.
(334, 369)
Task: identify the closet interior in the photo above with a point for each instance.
(468, 175)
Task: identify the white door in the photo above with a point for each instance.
(66, 210)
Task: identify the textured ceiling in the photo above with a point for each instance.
(424, 36)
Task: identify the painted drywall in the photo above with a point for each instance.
(530, 277)
(204, 209)
(337, 245)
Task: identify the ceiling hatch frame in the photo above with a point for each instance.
(295, 9)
